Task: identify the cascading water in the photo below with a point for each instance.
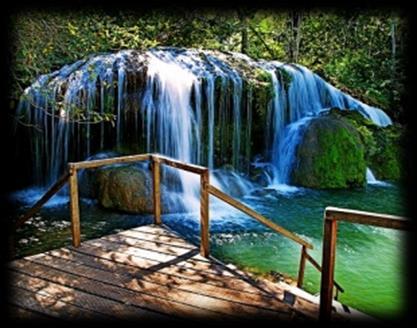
(196, 106)
(370, 179)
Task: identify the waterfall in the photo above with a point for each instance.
(194, 105)
(370, 179)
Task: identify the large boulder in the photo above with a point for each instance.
(384, 146)
(330, 155)
(125, 188)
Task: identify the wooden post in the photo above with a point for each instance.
(74, 206)
(301, 269)
(204, 214)
(328, 266)
(156, 190)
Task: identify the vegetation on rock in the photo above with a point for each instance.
(384, 147)
(362, 53)
(331, 155)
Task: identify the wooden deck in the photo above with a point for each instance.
(147, 272)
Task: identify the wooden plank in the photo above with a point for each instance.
(74, 206)
(210, 273)
(103, 306)
(129, 244)
(133, 246)
(196, 298)
(36, 207)
(301, 306)
(204, 214)
(197, 169)
(368, 218)
(108, 161)
(156, 176)
(259, 299)
(213, 273)
(131, 295)
(161, 230)
(49, 305)
(229, 200)
(158, 239)
(198, 271)
(18, 313)
(328, 265)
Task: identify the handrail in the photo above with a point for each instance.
(331, 216)
(51, 191)
(197, 169)
(71, 176)
(276, 228)
(368, 218)
(317, 266)
(229, 200)
(107, 161)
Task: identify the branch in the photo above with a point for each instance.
(36, 127)
(45, 110)
(271, 52)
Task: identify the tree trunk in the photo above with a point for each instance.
(244, 46)
(294, 23)
(394, 77)
(244, 34)
(393, 47)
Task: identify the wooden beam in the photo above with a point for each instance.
(328, 265)
(181, 165)
(74, 205)
(156, 189)
(369, 218)
(229, 200)
(51, 191)
(302, 266)
(204, 214)
(108, 161)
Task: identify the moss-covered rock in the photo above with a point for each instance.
(386, 161)
(383, 145)
(331, 155)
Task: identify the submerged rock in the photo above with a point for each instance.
(330, 155)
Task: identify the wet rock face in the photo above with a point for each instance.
(205, 107)
(384, 146)
(126, 189)
(330, 155)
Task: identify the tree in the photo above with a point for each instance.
(294, 35)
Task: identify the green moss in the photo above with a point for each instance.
(331, 155)
(383, 146)
(385, 161)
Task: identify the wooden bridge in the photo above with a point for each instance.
(151, 272)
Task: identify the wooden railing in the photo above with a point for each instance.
(205, 190)
(331, 216)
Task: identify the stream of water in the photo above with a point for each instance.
(204, 107)
(369, 260)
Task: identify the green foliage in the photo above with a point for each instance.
(383, 146)
(331, 155)
(360, 52)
